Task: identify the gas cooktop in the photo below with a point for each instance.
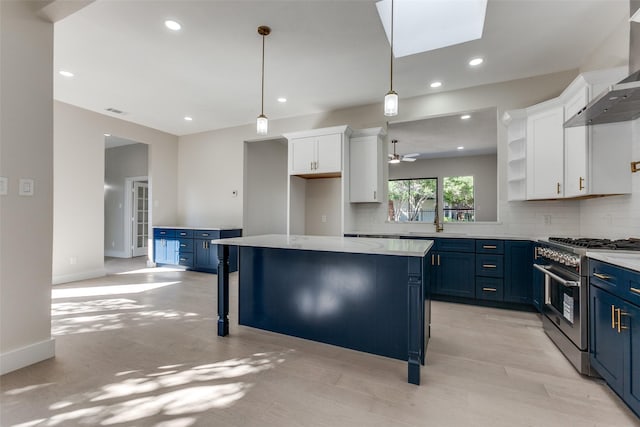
(591, 243)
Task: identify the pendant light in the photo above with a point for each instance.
(262, 124)
(391, 98)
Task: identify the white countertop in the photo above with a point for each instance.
(181, 227)
(449, 235)
(359, 245)
(626, 259)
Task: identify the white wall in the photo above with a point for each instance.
(26, 151)
(482, 168)
(265, 187)
(122, 162)
(78, 220)
(323, 207)
(211, 165)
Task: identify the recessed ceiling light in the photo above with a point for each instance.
(282, 99)
(436, 84)
(172, 25)
(460, 148)
(465, 116)
(66, 73)
(187, 118)
(476, 61)
(107, 134)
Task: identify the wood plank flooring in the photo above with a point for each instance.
(139, 348)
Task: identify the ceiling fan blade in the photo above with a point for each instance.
(408, 159)
(412, 155)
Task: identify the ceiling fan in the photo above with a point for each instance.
(397, 158)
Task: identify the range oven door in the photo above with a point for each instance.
(563, 303)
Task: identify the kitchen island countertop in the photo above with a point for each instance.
(358, 245)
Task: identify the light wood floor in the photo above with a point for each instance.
(140, 349)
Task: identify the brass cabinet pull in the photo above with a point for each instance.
(489, 266)
(432, 259)
(182, 245)
(204, 244)
(375, 193)
(205, 234)
(602, 276)
(558, 188)
(489, 289)
(620, 313)
(489, 246)
(635, 290)
(581, 183)
(613, 316)
(438, 259)
(183, 259)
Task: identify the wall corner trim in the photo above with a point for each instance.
(28, 355)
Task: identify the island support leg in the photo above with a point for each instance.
(223, 290)
(415, 318)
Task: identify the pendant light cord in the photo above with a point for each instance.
(391, 59)
(262, 104)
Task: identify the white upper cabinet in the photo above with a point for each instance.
(545, 151)
(365, 166)
(316, 152)
(575, 162)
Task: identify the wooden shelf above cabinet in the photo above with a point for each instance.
(320, 175)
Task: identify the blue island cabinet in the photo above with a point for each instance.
(453, 268)
(614, 335)
(371, 302)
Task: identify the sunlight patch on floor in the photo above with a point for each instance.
(84, 307)
(93, 291)
(152, 270)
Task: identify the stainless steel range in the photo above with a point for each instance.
(565, 292)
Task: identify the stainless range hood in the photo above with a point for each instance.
(621, 102)
(618, 104)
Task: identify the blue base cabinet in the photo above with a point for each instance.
(614, 336)
(453, 268)
(518, 274)
(192, 248)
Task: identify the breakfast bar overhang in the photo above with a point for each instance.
(366, 294)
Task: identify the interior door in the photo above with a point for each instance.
(140, 218)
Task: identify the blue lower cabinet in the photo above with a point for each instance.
(192, 248)
(489, 288)
(518, 274)
(454, 274)
(614, 335)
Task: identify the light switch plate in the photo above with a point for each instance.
(4, 185)
(26, 187)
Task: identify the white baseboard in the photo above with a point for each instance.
(28, 355)
(116, 254)
(65, 278)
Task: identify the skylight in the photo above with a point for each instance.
(426, 25)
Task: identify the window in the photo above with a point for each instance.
(412, 199)
(458, 199)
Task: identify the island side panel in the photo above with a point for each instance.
(416, 304)
(357, 301)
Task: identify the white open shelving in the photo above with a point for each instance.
(516, 122)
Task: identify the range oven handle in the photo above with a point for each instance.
(564, 282)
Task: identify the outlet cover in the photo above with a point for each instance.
(26, 187)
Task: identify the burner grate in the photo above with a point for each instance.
(592, 243)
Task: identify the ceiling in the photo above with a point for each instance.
(439, 137)
(321, 55)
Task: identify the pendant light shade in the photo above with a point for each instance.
(262, 124)
(391, 98)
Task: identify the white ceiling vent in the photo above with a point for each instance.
(114, 110)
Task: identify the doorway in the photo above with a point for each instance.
(127, 211)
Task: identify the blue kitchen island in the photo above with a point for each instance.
(366, 294)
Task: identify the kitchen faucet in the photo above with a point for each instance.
(436, 222)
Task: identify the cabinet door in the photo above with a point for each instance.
(606, 345)
(160, 250)
(329, 153)
(576, 149)
(632, 361)
(206, 255)
(545, 154)
(455, 274)
(365, 171)
(518, 277)
(302, 155)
